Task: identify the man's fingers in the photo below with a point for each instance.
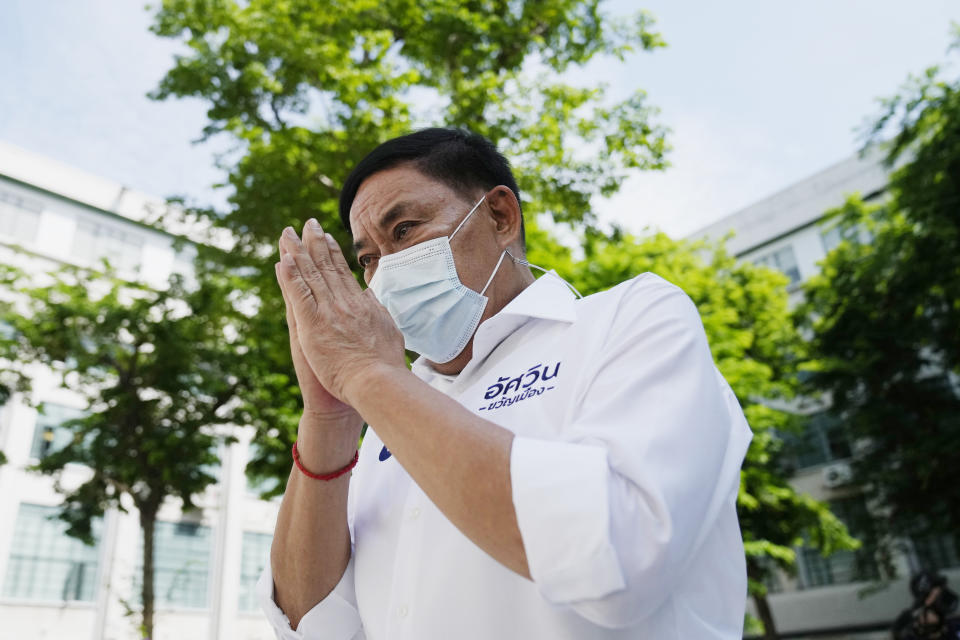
(299, 294)
(316, 247)
(301, 262)
(280, 281)
(296, 349)
(327, 255)
(291, 318)
(340, 264)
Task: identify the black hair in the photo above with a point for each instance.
(461, 159)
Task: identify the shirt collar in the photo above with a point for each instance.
(547, 298)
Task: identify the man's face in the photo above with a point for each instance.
(400, 207)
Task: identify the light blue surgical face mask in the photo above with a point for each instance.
(436, 313)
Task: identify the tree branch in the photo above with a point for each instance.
(276, 112)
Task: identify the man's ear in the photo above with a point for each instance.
(505, 212)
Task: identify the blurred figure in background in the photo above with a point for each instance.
(929, 615)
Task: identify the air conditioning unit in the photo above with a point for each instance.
(837, 474)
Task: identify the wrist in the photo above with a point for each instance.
(324, 476)
(341, 417)
(362, 387)
(328, 441)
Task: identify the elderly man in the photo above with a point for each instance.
(552, 467)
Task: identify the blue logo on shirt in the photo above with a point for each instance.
(506, 390)
(384, 453)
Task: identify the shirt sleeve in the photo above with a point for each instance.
(333, 618)
(611, 514)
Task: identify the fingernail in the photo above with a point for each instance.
(330, 239)
(313, 223)
(292, 235)
(287, 259)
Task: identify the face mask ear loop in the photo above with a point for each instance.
(549, 273)
(467, 217)
(495, 269)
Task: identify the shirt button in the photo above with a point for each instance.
(402, 611)
(414, 513)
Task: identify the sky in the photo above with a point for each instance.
(757, 94)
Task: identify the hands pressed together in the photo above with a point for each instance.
(339, 332)
(349, 358)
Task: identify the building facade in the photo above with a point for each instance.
(787, 231)
(51, 585)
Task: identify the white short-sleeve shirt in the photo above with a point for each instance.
(624, 469)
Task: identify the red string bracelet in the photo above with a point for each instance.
(324, 476)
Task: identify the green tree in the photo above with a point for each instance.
(885, 317)
(160, 371)
(303, 90)
(757, 349)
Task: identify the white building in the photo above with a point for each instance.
(787, 231)
(52, 586)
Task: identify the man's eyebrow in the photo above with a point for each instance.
(388, 218)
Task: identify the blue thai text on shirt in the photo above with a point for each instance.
(506, 390)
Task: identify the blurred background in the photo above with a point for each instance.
(794, 168)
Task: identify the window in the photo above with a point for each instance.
(49, 435)
(772, 574)
(19, 217)
(831, 238)
(256, 546)
(842, 567)
(937, 552)
(95, 240)
(783, 260)
(833, 235)
(822, 440)
(47, 564)
(181, 564)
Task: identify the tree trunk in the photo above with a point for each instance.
(756, 573)
(766, 617)
(148, 520)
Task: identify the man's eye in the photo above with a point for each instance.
(365, 261)
(401, 230)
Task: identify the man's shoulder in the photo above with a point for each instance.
(639, 292)
(638, 309)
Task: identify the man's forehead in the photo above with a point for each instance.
(388, 195)
(382, 190)
(381, 220)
